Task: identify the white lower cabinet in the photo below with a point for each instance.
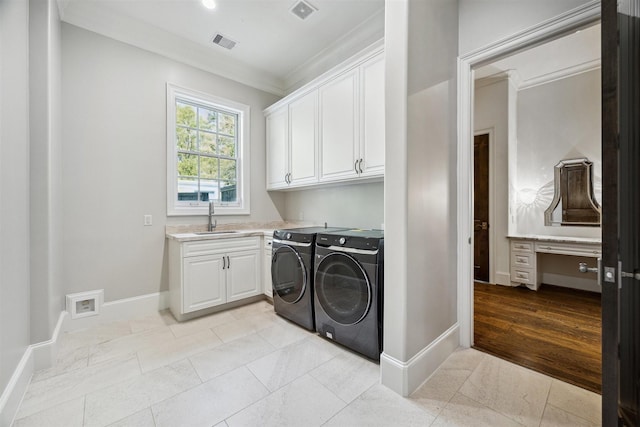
(207, 273)
(243, 275)
(203, 282)
(266, 267)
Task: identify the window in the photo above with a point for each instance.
(207, 153)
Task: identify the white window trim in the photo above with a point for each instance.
(243, 185)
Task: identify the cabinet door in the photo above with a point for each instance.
(339, 127)
(372, 131)
(278, 149)
(304, 142)
(203, 282)
(267, 284)
(243, 275)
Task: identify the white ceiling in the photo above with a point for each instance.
(573, 53)
(273, 46)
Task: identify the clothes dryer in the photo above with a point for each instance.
(292, 273)
(348, 297)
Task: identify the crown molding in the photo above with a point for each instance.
(104, 21)
(514, 77)
(361, 37)
(510, 75)
(560, 74)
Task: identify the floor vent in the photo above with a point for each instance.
(302, 9)
(85, 304)
(223, 41)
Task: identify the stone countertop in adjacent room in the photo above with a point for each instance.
(557, 239)
(185, 233)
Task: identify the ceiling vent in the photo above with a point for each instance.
(223, 41)
(302, 9)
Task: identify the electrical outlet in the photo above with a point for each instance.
(300, 216)
(148, 220)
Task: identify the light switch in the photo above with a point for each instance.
(148, 220)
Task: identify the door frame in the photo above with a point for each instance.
(572, 20)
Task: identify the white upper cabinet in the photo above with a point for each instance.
(304, 139)
(330, 130)
(339, 127)
(372, 131)
(292, 143)
(278, 149)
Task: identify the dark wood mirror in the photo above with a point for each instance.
(573, 200)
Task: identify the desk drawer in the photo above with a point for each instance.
(522, 275)
(522, 260)
(569, 249)
(520, 246)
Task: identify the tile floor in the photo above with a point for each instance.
(249, 367)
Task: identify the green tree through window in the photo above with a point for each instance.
(206, 142)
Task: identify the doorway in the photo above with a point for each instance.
(481, 208)
(520, 201)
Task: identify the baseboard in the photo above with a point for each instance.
(37, 356)
(405, 377)
(503, 278)
(123, 309)
(46, 352)
(16, 387)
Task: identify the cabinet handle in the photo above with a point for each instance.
(224, 263)
(360, 165)
(228, 262)
(355, 166)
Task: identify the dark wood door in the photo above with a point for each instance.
(481, 207)
(620, 213)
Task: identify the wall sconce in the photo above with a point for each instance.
(527, 196)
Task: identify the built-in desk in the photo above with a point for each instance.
(525, 250)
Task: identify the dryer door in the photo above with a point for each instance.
(288, 274)
(343, 288)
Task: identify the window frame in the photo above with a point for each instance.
(243, 159)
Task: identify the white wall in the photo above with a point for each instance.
(556, 121)
(114, 162)
(420, 220)
(491, 114)
(45, 167)
(356, 205)
(483, 22)
(14, 188)
(431, 143)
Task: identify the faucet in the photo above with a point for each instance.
(212, 225)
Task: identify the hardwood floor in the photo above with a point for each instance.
(555, 331)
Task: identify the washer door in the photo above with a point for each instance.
(343, 289)
(288, 274)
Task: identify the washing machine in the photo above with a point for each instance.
(292, 273)
(348, 297)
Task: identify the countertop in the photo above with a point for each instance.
(187, 233)
(557, 239)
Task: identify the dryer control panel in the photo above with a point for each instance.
(355, 239)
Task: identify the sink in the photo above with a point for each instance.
(207, 233)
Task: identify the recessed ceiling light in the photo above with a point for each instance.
(209, 4)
